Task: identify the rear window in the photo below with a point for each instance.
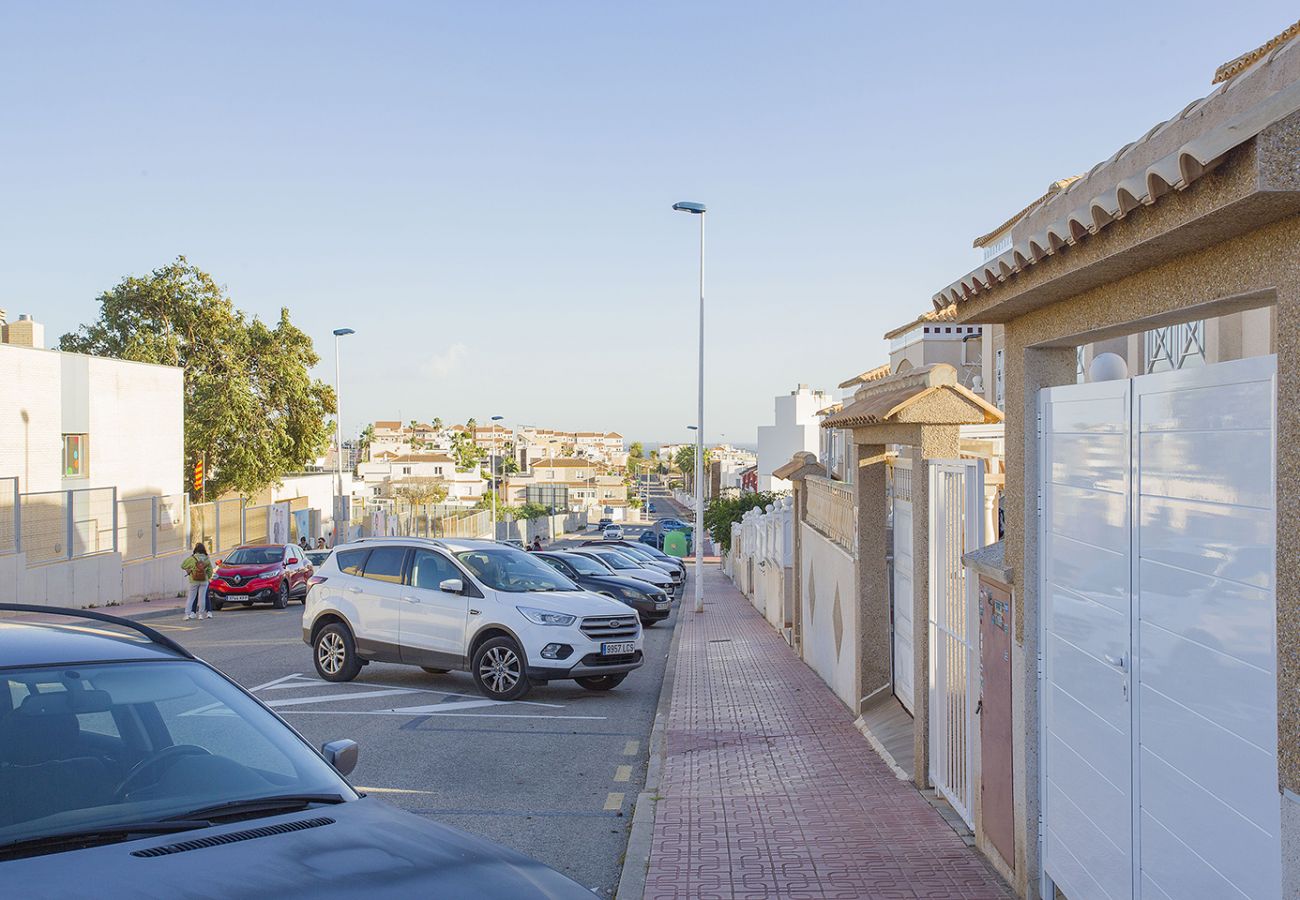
(351, 561)
(385, 564)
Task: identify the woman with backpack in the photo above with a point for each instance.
(199, 569)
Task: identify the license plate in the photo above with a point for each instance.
(617, 648)
(662, 604)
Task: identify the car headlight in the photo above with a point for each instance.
(628, 593)
(545, 616)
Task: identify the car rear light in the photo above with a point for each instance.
(317, 579)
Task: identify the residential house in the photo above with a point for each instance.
(795, 429)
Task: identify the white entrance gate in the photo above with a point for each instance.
(956, 527)
(902, 593)
(1158, 681)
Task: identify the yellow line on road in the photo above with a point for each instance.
(631, 748)
(623, 773)
(613, 802)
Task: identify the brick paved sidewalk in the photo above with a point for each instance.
(769, 791)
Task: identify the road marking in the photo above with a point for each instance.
(442, 707)
(623, 773)
(631, 748)
(613, 801)
(298, 701)
(262, 687)
(173, 627)
(375, 790)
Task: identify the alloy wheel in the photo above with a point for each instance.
(331, 652)
(500, 669)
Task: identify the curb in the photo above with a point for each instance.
(636, 859)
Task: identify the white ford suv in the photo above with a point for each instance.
(445, 604)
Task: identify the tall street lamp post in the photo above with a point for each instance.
(494, 421)
(698, 209)
(339, 515)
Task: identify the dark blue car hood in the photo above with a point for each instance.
(642, 587)
(371, 850)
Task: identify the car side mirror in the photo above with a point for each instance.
(342, 755)
(452, 586)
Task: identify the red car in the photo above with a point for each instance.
(261, 573)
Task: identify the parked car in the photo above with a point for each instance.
(316, 557)
(128, 766)
(613, 532)
(651, 604)
(506, 616)
(628, 567)
(261, 573)
(650, 507)
(640, 545)
(674, 568)
(604, 523)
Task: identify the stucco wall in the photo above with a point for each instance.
(139, 460)
(30, 419)
(830, 614)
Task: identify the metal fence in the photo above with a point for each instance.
(56, 525)
(10, 506)
(831, 510)
(150, 526)
(372, 518)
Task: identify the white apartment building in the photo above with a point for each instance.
(70, 421)
(796, 428)
(386, 472)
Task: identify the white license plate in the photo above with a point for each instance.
(662, 604)
(617, 648)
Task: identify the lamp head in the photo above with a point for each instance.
(497, 418)
(693, 208)
(340, 332)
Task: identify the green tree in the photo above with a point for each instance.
(251, 406)
(636, 451)
(684, 460)
(721, 512)
(367, 438)
(421, 490)
(531, 511)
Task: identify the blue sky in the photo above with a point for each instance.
(482, 190)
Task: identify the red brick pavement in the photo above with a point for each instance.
(769, 791)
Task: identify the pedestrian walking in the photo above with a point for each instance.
(304, 543)
(536, 546)
(199, 569)
(320, 544)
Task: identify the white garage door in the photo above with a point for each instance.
(902, 593)
(1159, 695)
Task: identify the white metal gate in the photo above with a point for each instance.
(902, 593)
(956, 527)
(1158, 635)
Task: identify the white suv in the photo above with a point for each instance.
(504, 615)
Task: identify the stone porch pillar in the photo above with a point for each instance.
(875, 675)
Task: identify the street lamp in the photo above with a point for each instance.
(338, 431)
(493, 467)
(698, 209)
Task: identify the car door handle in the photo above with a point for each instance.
(1116, 661)
(409, 599)
(354, 590)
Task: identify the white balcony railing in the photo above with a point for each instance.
(831, 511)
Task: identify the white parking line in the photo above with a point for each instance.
(299, 701)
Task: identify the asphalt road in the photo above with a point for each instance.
(553, 776)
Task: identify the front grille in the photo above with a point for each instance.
(232, 837)
(604, 628)
(595, 659)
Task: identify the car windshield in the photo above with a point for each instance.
(585, 565)
(635, 552)
(108, 745)
(317, 557)
(254, 556)
(508, 569)
(616, 560)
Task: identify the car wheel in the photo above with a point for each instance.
(433, 671)
(335, 654)
(500, 670)
(215, 605)
(648, 623)
(601, 682)
(281, 599)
